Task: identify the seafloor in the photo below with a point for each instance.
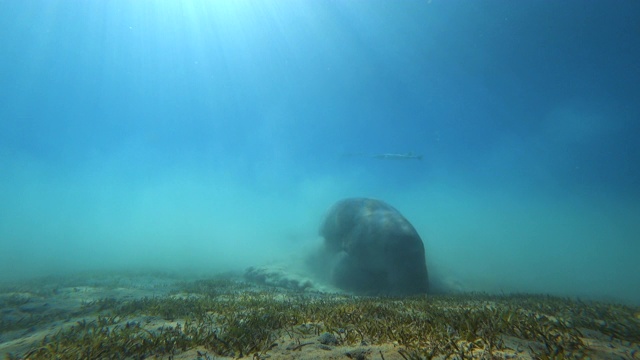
(125, 316)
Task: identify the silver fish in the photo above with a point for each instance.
(407, 156)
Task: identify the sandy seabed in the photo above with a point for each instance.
(157, 315)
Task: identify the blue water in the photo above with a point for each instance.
(209, 136)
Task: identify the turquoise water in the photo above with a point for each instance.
(206, 136)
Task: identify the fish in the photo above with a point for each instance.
(407, 156)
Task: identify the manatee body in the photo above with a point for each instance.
(376, 250)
